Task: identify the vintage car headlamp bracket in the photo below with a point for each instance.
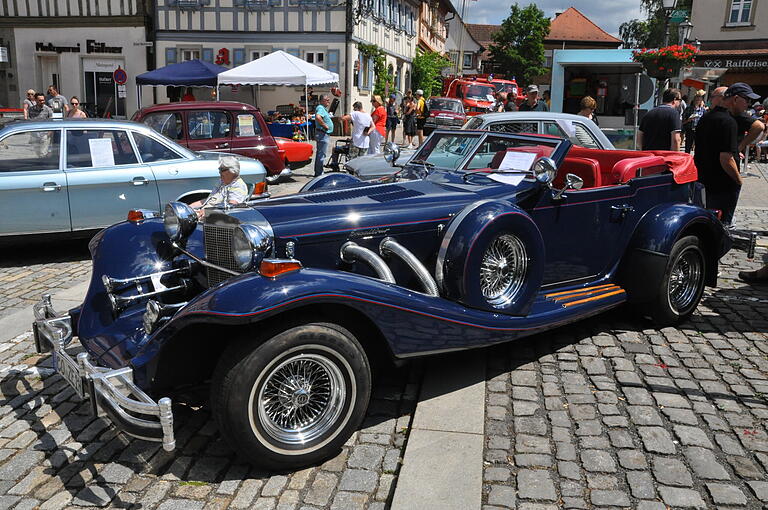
(250, 244)
(179, 220)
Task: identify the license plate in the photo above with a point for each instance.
(69, 370)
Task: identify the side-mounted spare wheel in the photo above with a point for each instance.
(492, 258)
(294, 399)
(681, 285)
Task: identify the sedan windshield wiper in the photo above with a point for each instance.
(422, 162)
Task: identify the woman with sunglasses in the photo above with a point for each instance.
(75, 112)
(28, 101)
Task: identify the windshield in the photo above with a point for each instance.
(445, 105)
(473, 123)
(481, 151)
(508, 88)
(479, 92)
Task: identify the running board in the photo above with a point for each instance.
(574, 297)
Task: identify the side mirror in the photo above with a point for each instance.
(391, 152)
(572, 181)
(545, 170)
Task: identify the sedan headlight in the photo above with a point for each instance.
(179, 220)
(249, 245)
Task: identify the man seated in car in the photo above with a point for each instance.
(231, 190)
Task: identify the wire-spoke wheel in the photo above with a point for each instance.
(301, 398)
(293, 399)
(682, 284)
(503, 269)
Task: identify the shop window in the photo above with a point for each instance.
(740, 12)
(189, 54)
(315, 57)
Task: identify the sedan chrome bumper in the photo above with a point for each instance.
(111, 391)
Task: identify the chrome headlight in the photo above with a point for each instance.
(544, 170)
(179, 220)
(151, 315)
(249, 245)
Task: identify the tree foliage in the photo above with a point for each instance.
(518, 46)
(427, 68)
(649, 33)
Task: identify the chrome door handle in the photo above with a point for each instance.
(139, 181)
(223, 145)
(51, 186)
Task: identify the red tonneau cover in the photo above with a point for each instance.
(680, 164)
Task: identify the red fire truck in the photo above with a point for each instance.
(477, 92)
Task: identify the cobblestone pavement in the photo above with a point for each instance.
(610, 413)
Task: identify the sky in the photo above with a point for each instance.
(608, 15)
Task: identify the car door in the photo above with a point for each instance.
(209, 130)
(33, 188)
(105, 178)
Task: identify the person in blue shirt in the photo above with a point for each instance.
(323, 129)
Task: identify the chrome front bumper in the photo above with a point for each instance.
(112, 392)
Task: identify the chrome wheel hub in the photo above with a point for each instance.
(684, 281)
(503, 269)
(301, 398)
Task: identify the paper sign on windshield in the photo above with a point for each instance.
(101, 152)
(245, 123)
(514, 160)
(513, 179)
(490, 97)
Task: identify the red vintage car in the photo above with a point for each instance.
(218, 126)
(444, 112)
(295, 154)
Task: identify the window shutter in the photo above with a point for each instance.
(371, 84)
(293, 51)
(207, 55)
(170, 56)
(332, 60)
(360, 70)
(238, 57)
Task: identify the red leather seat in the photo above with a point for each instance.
(586, 168)
(627, 169)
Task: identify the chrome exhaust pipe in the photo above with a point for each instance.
(389, 246)
(350, 252)
(113, 284)
(120, 303)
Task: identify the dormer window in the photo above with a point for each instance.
(258, 5)
(739, 13)
(190, 5)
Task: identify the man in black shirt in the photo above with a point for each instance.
(532, 102)
(660, 128)
(717, 150)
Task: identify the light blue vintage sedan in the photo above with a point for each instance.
(75, 176)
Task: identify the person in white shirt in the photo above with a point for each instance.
(362, 124)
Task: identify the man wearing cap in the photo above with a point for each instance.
(532, 102)
(421, 108)
(660, 128)
(392, 120)
(717, 149)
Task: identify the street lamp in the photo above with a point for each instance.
(669, 7)
(684, 31)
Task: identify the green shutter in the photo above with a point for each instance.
(332, 60)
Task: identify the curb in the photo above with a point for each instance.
(443, 460)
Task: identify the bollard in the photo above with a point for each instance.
(751, 246)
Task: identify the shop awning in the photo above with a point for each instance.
(192, 73)
(278, 68)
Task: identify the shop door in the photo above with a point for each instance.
(49, 72)
(101, 95)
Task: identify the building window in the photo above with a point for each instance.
(189, 54)
(366, 74)
(467, 63)
(739, 13)
(315, 57)
(454, 56)
(257, 54)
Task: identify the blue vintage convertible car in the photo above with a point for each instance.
(281, 305)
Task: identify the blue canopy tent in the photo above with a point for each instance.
(191, 73)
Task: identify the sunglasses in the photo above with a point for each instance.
(74, 103)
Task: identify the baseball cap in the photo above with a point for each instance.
(392, 96)
(741, 89)
(532, 88)
(419, 92)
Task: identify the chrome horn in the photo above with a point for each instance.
(113, 284)
(120, 303)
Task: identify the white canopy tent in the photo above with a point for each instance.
(278, 68)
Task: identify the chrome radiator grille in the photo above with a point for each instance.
(218, 243)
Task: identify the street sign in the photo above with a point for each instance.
(120, 76)
(678, 16)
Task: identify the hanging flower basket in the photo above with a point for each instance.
(665, 63)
